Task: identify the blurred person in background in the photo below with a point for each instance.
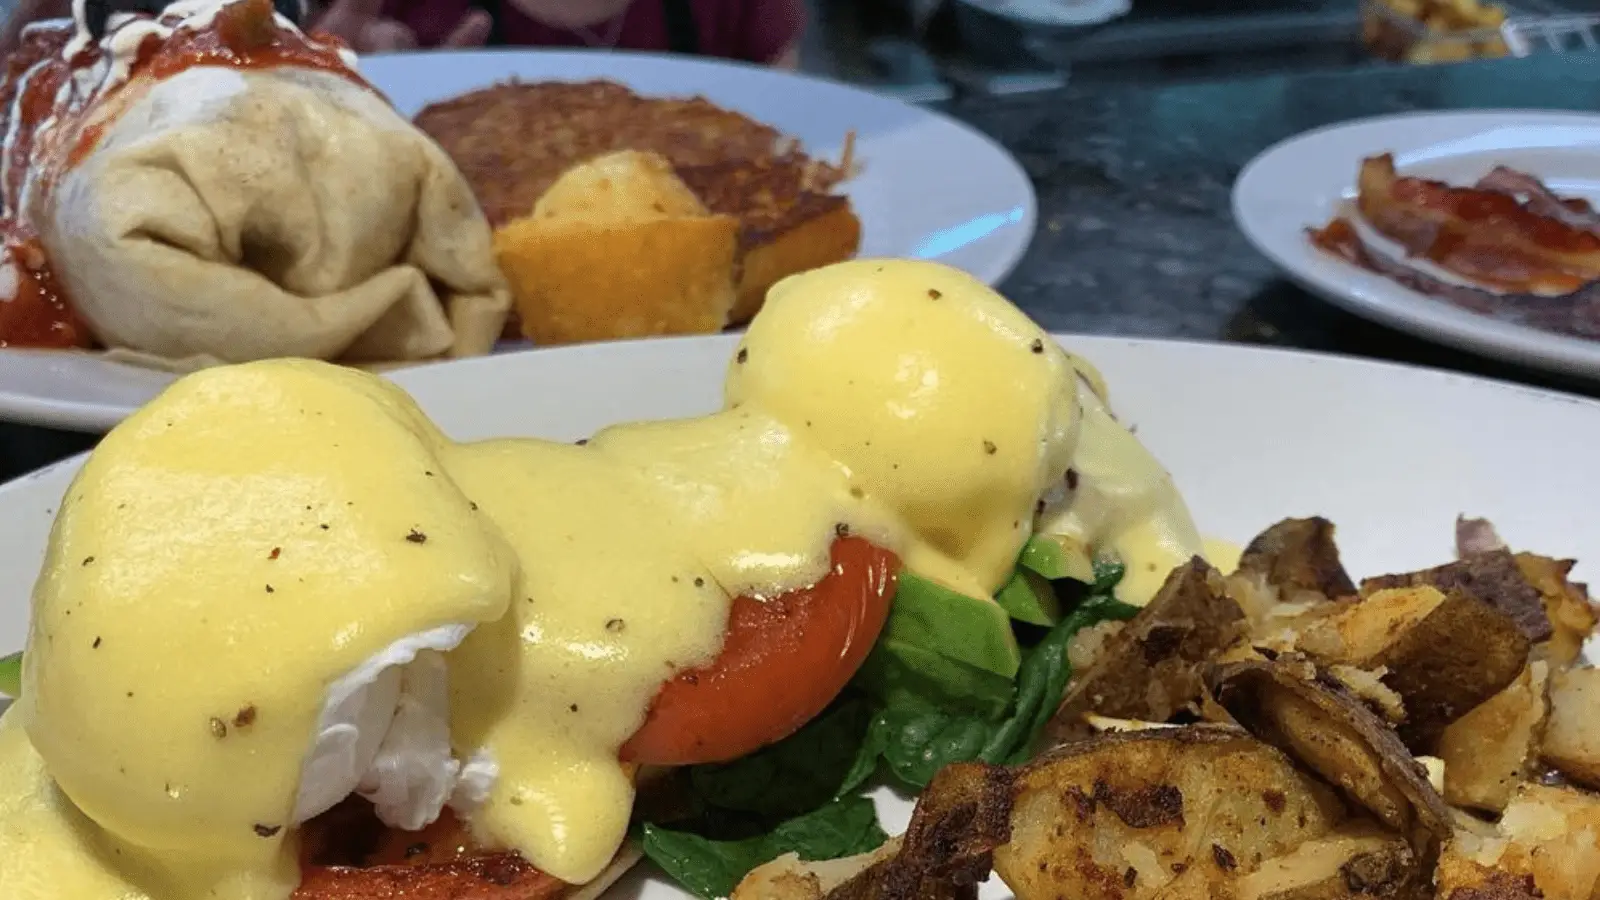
(759, 31)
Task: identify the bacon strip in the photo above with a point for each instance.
(1577, 313)
(1540, 200)
(1488, 237)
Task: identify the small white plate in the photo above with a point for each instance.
(1302, 181)
(1394, 499)
(930, 187)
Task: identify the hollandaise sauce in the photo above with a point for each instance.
(262, 534)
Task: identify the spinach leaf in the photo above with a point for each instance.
(11, 675)
(712, 868)
(897, 672)
(800, 773)
(917, 738)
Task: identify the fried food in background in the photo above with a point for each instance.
(566, 261)
(514, 141)
(1433, 31)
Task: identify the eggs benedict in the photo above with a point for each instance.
(279, 585)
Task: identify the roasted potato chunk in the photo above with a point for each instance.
(1547, 844)
(1165, 812)
(963, 814)
(1572, 618)
(1299, 558)
(1154, 667)
(790, 878)
(1443, 652)
(1491, 749)
(1314, 719)
(1356, 860)
(1493, 578)
(1572, 737)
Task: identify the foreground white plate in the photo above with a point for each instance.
(930, 187)
(1302, 181)
(1390, 454)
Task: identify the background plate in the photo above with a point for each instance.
(1390, 454)
(1301, 182)
(930, 187)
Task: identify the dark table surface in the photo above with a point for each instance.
(1135, 233)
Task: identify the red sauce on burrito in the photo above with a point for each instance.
(59, 97)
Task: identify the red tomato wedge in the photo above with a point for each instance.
(782, 662)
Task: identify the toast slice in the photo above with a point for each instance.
(788, 222)
(514, 142)
(563, 260)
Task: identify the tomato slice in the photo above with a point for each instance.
(782, 662)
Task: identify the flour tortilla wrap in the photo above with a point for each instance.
(232, 215)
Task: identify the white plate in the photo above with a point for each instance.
(1302, 181)
(930, 187)
(1388, 453)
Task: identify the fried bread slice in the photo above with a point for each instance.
(514, 141)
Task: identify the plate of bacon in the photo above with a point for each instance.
(1480, 230)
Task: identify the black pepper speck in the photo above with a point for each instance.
(417, 537)
(742, 356)
(616, 626)
(270, 589)
(990, 448)
(1038, 346)
(96, 644)
(934, 293)
(267, 831)
(88, 560)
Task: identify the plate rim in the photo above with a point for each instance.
(1403, 309)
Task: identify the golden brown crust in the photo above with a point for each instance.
(569, 286)
(513, 141)
(829, 238)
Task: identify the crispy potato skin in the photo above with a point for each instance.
(1493, 578)
(1299, 557)
(1155, 666)
(1168, 812)
(1290, 704)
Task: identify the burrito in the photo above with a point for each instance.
(210, 184)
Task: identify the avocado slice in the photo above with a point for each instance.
(1049, 555)
(960, 628)
(1028, 597)
(11, 675)
(898, 673)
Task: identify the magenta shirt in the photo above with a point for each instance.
(750, 30)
